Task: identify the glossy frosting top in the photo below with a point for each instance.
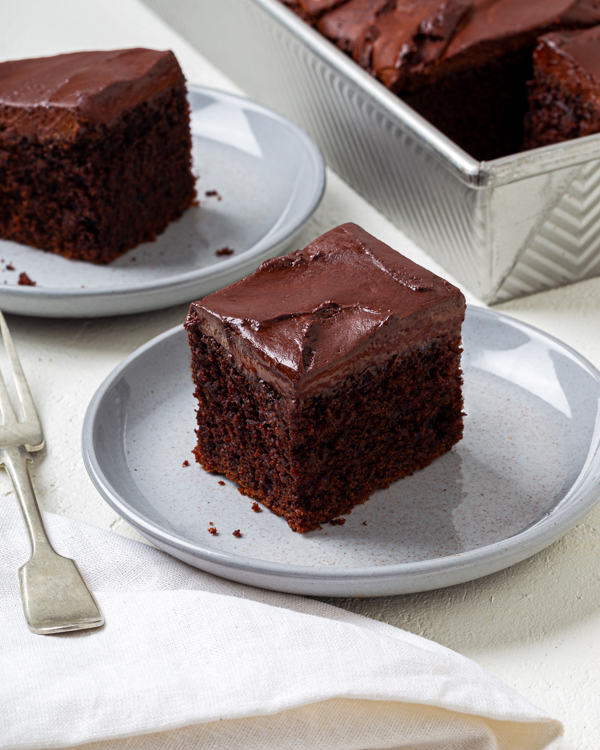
(400, 40)
(349, 25)
(39, 94)
(318, 7)
(308, 320)
(579, 48)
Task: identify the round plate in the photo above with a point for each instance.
(527, 469)
(260, 180)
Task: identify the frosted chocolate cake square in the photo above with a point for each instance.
(327, 374)
(95, 151)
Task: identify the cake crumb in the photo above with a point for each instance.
(212, 193)
(212, 530)
(364, 523)
(221, 482)
(256, 507)
(185, 463)
(10, 267)
(237, 533)
(225, 251)
(337, 521)
(24, 280)
(133, 257)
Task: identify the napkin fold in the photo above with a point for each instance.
(188, 660)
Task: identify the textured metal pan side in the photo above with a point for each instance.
(504, 228)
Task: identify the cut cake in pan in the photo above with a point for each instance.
(462, 64)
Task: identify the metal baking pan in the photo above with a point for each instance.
(504, 228)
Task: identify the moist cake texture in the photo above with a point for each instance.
(327, 374)
(462, 64)
(95, 151)
(564, 96)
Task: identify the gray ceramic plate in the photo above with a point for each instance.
(527, 470)
(269, 177)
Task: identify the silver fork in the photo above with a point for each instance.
(55, 596)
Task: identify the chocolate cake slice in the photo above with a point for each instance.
(95, 151)
(564, 96)
(327, 374)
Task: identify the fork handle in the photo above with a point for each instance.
(15, 460)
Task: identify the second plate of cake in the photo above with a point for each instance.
(527, 470)
(259, 179)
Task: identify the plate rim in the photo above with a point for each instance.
(217, 270)
(493, 557)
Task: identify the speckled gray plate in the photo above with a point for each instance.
(269, 177)
(527, 470)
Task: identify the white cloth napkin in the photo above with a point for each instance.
(188, 660)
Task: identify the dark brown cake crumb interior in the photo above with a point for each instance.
(407, 413)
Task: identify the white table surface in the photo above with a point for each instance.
(536, 625)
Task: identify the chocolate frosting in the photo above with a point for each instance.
(55, 97)
(580, 51)
(412, 36)
(348, 25)
(404, 41)
(318, 7)
(500, 20)
(308, 320)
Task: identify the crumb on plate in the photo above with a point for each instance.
(24, 280)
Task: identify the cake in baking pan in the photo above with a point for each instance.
(327, 374)
(462, 64)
